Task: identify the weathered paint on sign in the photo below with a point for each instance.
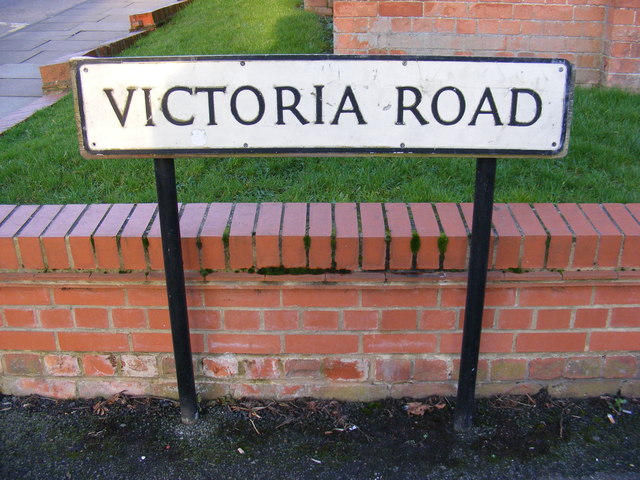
(321, 105)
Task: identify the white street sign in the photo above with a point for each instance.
(322, 105)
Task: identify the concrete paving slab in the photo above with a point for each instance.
(31, 35)
(52, 27)
(15, 57)
(70, 45)
(19, 70)
(97, 35)
(11, 104)
(47, 58)
(23, 87)
(105, 26)
(21, 45)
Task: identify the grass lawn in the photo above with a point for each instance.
(40, 163)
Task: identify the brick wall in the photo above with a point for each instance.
(600, 37)
(83, 309)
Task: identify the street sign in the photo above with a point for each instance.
(322, 105)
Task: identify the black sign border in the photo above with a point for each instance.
(87, 152)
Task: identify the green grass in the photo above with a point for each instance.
(39, 160)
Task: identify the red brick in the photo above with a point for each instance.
(31, 232)
(400, 343)
(268, 235)
(360, 319)
(131, 244)
(620, 366)
(591, 318)
(242, 343)
(241, 235)
(220, 367)
(415, 297)
(12, 295)
(50, 388)
(320, 320)
(151, 342)
(204, 319)
(455, 256)
(546, 368)
(374, 245)
(617, 295)
(483, 370)
(508, 369)
(211, 236)
(263, 368)
(128, 318)
(338, 369)
(555, 296)
(467, 215)
(8, 229)
(589, 13)
(226, 297)
(294, 224)
(431, 370)
(93, 342)
(321, 344)
(153, 241)
(281, 320)
(586, 238)
(242, 320)
(400, 255)
(320, 298)
(438, 320)
(583, 367)
(489, 342)
(56, 318)
(494, 297)
(553, 319)
(159, 319)
(620, 16)
(515, 319)
(320, 228)
(53, 238)
(99, 365)
(139, 365)
(400, 9)
(398, 320)
(551, 342)
(61, 365)
(534, 239)
(509, 238)
(355, 9)
(19, 317)
(428, 230)
(625, 317)
(631, 230)
(393, 370)
(347, 237)
(559, 249)
(79, 238)
(191, 219)
(27, 340)
(23, 364)
(610, 236)
(104, 238)
(89, 296)
(302, 367)
(91, 318)
(491, 10)
(401, 24)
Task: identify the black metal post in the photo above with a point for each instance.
(476, 284)
(174, 272)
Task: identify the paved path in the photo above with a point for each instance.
(42, 32)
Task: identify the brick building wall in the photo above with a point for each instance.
(83, 309)
(600, 37)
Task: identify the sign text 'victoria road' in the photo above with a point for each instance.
(321, 105)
